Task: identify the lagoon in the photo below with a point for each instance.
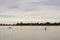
(29, 33)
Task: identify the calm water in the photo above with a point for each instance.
(29, 33)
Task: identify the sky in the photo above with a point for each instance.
(12, 11)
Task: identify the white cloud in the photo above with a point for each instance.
(43, 9)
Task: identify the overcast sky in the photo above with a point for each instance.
(29, 10)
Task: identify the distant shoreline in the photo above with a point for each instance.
(32, 24)
(29, 25)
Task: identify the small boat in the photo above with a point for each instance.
(10, 27)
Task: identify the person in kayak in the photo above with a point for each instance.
(45, 29)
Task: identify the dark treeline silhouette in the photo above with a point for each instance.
(32, 24)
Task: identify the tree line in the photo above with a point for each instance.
(31, 24)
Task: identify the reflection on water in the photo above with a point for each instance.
(29, 32)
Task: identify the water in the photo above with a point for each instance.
(29, 33)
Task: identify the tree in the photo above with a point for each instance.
(47, 23)
(18, 24)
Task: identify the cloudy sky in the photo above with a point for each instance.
(12, 11)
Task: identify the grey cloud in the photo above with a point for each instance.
(27, 5)
(51, 2)
(12, 7)
(30, 5)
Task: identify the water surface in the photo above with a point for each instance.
(30, 33)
